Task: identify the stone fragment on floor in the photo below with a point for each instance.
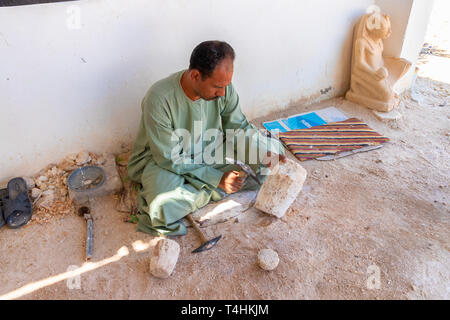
(268, 259)
(164, 258)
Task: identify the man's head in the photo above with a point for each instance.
(211, 69)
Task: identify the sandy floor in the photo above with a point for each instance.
(383, 212)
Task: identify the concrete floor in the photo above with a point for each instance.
(370, 226)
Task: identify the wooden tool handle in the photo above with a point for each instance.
(194, 224)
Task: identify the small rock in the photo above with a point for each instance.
(47, 199)
(43, 186)
(87, 182)
(268, 259)
(30, 182)
(48, 193)
(82, 158)
(93, 156)
(41, 181)
(71, 157)
(164, 258)
(100, 160)
(67, 165)
(55, 171)
(42, 178)
(35, 193)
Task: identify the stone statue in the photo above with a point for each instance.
(373, 76)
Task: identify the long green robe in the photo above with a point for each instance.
(172, 187)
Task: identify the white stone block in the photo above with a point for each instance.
(280, 188)
(164, 258)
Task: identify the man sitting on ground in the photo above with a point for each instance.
(195, 100)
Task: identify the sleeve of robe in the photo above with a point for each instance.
(158, 125)
(233, 118)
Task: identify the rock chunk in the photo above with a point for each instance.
(67, 165)
(268, 259)
(280, 188)
(55, 172)
(35, 193)
(101, 159)
(41, 182)
(164, 258)
(82, 158)
(71, 157)
(47, 200)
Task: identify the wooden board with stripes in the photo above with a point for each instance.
(330, 139)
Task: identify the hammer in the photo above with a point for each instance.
(206, 244)
(246, 168)
(86, 213)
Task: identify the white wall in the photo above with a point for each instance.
(409, 22)
(63, 89)
(399, 12)
(415, 35)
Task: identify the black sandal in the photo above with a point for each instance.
(3, 196)
(2, 220)
(17, 208)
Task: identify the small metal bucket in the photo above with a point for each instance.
(86, 179)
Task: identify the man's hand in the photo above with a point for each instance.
(271, 156)
(231, 182)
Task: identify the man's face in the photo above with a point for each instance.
(213, 87)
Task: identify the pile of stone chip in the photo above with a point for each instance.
(49, 191)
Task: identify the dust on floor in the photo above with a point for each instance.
(373, 225)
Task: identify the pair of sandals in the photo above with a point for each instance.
(15, 204)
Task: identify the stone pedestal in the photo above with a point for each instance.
(393, 115)
(112, 185)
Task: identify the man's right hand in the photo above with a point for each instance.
(231, 182)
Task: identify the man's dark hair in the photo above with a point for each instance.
(208, 54)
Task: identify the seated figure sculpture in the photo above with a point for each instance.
(373, 76)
